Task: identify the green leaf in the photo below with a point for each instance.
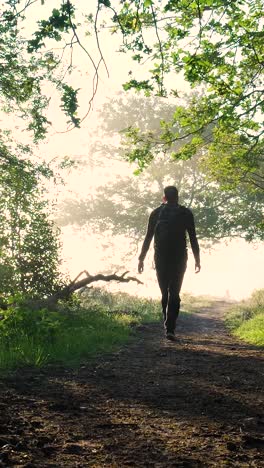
(106, 3)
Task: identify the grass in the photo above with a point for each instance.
(101, 323)
(246, 320)
(98, 323)
(196, 303)
(252, 330)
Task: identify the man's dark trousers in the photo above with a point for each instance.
(170, 273)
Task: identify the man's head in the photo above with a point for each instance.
(171, 194)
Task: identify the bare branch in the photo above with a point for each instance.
(97, 38)
(161, 80)
(28, 3)
(78, 276)
(96, 67)
(67, 291)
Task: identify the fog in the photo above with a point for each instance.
(231, 268)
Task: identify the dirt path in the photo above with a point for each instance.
(197, 402)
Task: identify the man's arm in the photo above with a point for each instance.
(148, 238)
(194, 243)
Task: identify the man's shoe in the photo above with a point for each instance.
(170, 336)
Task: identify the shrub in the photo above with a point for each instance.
(246, 319)
(252, 330)
(73, 333)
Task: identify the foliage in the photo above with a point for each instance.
(142, 309)
(252, 330)
(124, 205)
(25, 68)
(59, 22)
(246, 319)
(215, 45)
(20, 81)
(196, 304)
(70, 104)
(246, 309)
(72, 334)
(230, 158)
(257, 299)
(41, 325)
(29, 244)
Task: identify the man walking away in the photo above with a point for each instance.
(169, 224)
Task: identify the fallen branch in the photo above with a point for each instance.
(75, 285)
(65, 292)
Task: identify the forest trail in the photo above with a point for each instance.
(193, 403)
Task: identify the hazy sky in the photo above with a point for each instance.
(237, 267)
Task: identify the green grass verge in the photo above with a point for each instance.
(246, 319)
(98, 323)
(252, 330)
(72, 335)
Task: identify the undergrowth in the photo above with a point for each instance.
(246, 319)
(196, 304)
(99, 322)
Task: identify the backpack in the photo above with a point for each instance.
(169, 234)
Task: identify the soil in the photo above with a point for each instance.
(195, 402)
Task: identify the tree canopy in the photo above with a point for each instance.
(214, 45)
(123, 206)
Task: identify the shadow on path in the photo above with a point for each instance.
(195, 402)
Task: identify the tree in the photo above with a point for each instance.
(29, 242)
(122, 207)
(24, 70)
(65, 292)
(216, 45)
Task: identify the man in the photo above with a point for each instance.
(169, 224)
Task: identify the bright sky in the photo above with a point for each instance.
(236, 268)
